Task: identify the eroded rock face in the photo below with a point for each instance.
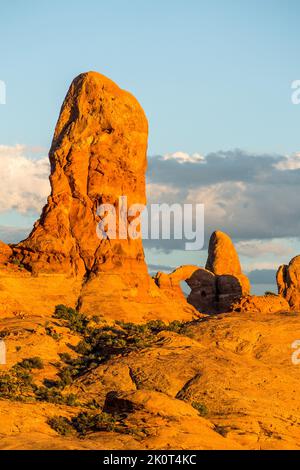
(5, 252)
(203, 295)
(261, 304)
(215, 288)
(288, 282)
(222, 255)
(98, 154)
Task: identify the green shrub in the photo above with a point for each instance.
(84, 423)
(51, 332)
(61, 425)
(53, 395)
(221, 430)
(75, 320)
(200, 407)
(30, 363)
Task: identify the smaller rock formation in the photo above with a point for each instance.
(262, 304)
(203, 295)
(222, 255)
(288, 282)
(224, 260)
(215, 288)
(5, 252)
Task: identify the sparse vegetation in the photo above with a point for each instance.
(30, 363)
(53, 395)
(18, 263)
(85, 423)
(200, 407)
(99, 344)
(74, 320)
(54, 334)
(221, 430)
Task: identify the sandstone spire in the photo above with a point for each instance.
(98, 154)
(222, 255)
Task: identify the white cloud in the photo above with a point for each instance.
(24, 180)
(261, 265)
(183, 157)
(258, 248)
(290, 162)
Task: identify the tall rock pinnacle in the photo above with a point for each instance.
(98, 154)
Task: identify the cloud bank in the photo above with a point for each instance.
(252, 197)
(24, 179)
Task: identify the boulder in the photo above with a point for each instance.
(222, 255)
(215, 288)
(262, 304)
(5, 252)
(288, 282)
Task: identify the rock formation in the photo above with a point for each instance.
(98, 155)
(288, 282)
(215, 288)
(261, 304)
(222, 256)
(5, 252)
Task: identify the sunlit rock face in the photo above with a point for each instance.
(98, 154)
(288, 282)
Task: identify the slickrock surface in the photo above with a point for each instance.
(262, 304)
(288, 281)
(224, 382)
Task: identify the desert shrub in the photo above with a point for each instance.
(75, 320)
(221, 430)
(30, 363)
(270, 293)
(52, 333)
(53, 395)
(84, 423)
(16, 384)
(61, 425)
(18, 263)
(200, 407)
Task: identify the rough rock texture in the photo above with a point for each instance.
(5, 252)
(98, 154)
(236, 369)
(203, 295)
(216, 288)
(262, 304)
(288, 282)
(223, 259)
(222, 255)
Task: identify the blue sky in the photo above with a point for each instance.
(212, 76)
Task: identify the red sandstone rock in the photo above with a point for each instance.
(262, 304)
(288, 282)
(98, 153)
(5, 252)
